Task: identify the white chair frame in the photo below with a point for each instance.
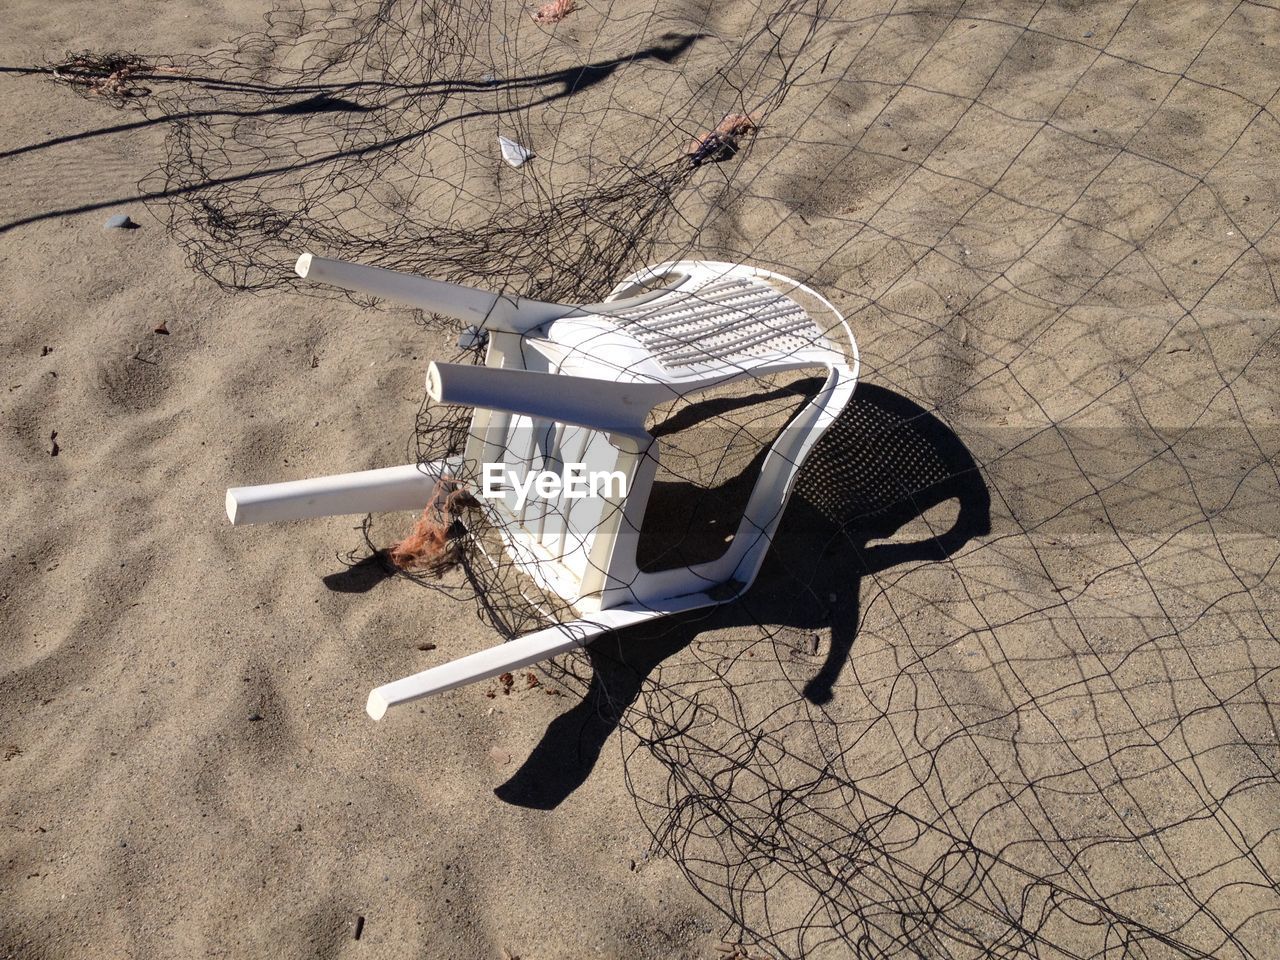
(561, 378)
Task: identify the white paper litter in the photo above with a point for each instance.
(513, 153)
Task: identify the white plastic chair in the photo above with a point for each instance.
(575, 384)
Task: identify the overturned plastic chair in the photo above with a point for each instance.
(574, 385)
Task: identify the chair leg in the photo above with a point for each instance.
(370, 491)
(504, 658)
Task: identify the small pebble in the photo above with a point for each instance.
(255, 717)
(121, 221)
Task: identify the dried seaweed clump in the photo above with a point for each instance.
(722, 142)
(434, 546)
(553, 11)
(109, 75)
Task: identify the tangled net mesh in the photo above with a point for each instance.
(1007, 683)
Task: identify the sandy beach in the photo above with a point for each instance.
(1031, 713)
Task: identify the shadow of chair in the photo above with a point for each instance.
(885, 463)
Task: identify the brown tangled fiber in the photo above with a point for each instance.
(723, 140)
(434, 546)
(109, 75)
(553, 11)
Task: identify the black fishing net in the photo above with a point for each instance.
(1006, 684)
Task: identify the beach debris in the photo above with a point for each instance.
(359, 926)
(434, 544)
(602, 397)
(738, 951)
(531, 681)
(507, 681)
(722, 142)
(46, 350)
(53, 443)
(121, 221)
(255, 717)
(553, 11)
(513, 153)
(161, 328)
(424, 647)
(499, 756)
(11, 751)
(110, 75)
